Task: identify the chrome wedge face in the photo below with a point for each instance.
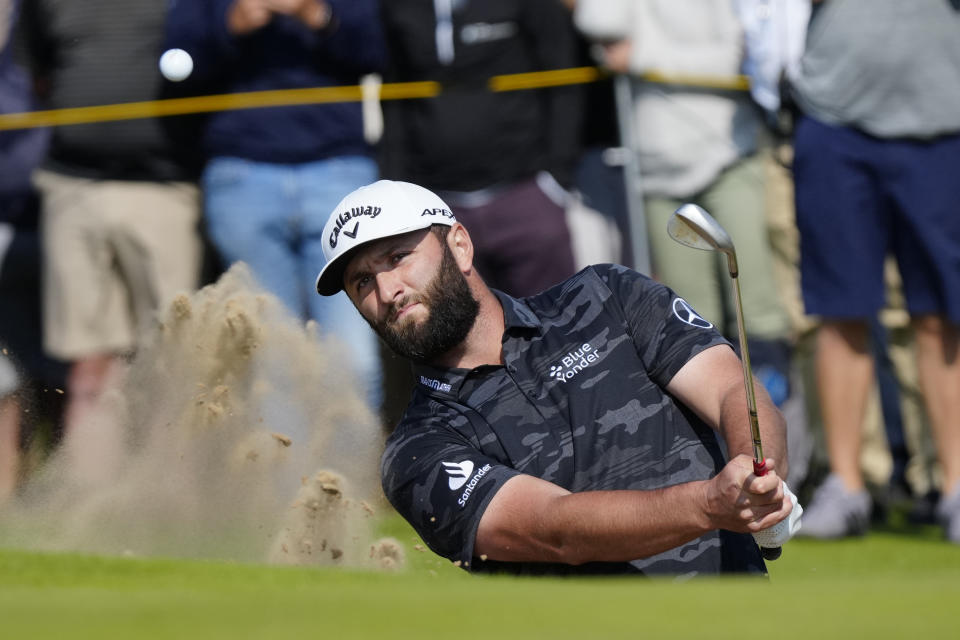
(692, 226)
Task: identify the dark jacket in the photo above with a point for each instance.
(469, 138)
(285, 54)
(21, 150)
(99, 52)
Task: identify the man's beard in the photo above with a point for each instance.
(451, 312)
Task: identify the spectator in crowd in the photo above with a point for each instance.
(698, 144)
(12, 93)
(273, 175)
(498, 158)
(29, 380)
(774, 36)
(896, 452)
(876, 157)
(119, 209)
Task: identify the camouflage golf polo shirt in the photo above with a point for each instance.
(580, 401)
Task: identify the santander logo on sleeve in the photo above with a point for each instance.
(459, 474)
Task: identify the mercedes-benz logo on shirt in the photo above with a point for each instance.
(685, 313)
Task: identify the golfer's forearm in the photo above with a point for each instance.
(735, 428)
(602, 526)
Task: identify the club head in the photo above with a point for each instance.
(692, 226)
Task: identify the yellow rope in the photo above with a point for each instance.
(322, 95)
(541, 79)
(731, 83)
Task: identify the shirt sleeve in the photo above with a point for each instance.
(666, 331)
(441, 483)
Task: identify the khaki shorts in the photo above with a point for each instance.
(114, 252)
(736, 200)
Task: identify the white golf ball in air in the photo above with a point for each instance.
(176, 65)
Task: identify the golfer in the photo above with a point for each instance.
(577, 431)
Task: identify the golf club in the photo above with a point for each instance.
(692, 226)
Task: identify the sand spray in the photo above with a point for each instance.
(235, 433)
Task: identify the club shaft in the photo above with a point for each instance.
(747, 375)
(759, 463)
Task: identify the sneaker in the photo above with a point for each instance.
(835, 512)
(948, 515)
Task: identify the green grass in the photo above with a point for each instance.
(892, 583)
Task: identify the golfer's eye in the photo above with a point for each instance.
(362, 282)
(397, 257)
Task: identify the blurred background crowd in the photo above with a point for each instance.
(823, 135)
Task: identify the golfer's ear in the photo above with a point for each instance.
(461, 245)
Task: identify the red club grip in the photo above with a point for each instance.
(760, 468)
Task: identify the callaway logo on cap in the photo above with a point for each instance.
(379, 210)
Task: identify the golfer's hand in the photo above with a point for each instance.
(246, 16)
(780, 533)
(313, 13)
(738, 500)
(616, 56)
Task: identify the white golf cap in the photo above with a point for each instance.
(379, 210)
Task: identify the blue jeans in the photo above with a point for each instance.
(271, 217)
